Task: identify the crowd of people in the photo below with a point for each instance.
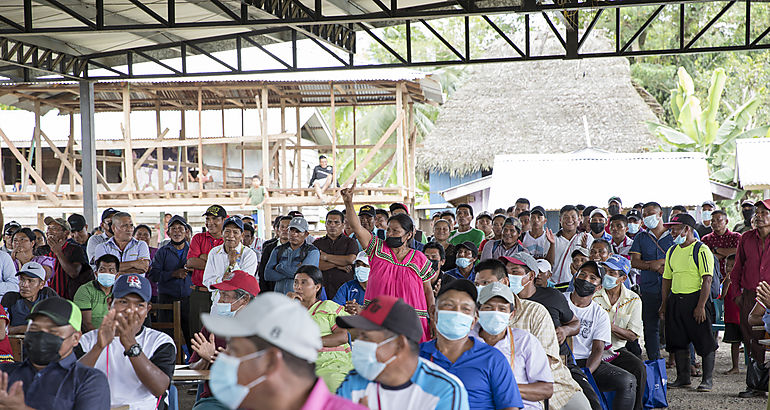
(489, 310)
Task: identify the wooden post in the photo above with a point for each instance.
(159, 149)
(224, 150)
(355, 151)
(30, 170)
(243, 150)
(183, 154)
(128, 153)
(298, 150)
(200, 141)
(38, 144)
(399, 137)
(284, 163)
(262, 106)
(412, 153)
(71, 146)
(333, 126)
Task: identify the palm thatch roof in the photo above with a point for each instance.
(537, 107)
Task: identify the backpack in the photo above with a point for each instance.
(716, 277)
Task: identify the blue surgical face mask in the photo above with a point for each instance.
(223, 379)
(493, 322)
(106, 279)
(516, 285)
(706, 215)
(633, 228)
(680, 239)
(478, 289)
(463, 262)
(651, 221)
(609, 282)
(362, 273)
(551, 284)
(225, 309)
(364, 357)
(453, 325)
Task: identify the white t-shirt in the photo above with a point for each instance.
(537, 247)
(594, 325)
(562, 255)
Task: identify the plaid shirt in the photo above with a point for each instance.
(534, 318)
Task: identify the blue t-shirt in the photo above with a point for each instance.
(455, 273)
(650, 249)
(431, 387)
(350, 290)
(484, 371)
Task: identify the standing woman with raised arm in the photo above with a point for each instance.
(396, 269)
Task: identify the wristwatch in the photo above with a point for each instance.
(133, 351)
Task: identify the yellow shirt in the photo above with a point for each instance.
(680, 268)
(626, 313)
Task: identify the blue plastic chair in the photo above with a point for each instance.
(719, 307)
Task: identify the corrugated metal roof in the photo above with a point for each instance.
(592, 176)
(751, 156)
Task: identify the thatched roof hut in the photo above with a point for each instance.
(537, 107)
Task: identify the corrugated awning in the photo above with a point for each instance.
(751, 156)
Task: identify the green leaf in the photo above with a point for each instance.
(708, 117)
(669, 135)
(688, 119)
(685, 82)
(723, 133)
(742, 115)
(724, 174)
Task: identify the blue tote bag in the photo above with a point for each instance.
(657, 384)
(602, 397)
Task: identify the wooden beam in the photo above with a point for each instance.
(140, 161)
(399, 138)
(379, 168)
(38, 143)
(62, 158)
(129, 152)
(243, 152)
(200, 142)
(298, 151)
(71, 145)
(224, 152)
(25, 164)
(284, 163)
(159, 149)
(370, 155)
(333, 126)
(262, 112)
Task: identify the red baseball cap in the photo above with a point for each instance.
(240, 280)
(512, 260)
(386, 313)
(764, 202)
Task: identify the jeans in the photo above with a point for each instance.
(588, 391)
(634, 365)
(651, 321)
(609, 378)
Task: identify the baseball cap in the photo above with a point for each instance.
(299, 223)
(513, 221)
(386, 312)
(484, 214)
(524, 213)
(681, 219)
(469, 246)
(709, 203)
(634, 213)
(599, 268)
(747, 202)
(495, 289)
(543, 265)
(588, 210)
(295, 214)
(537, 210)
(238, 222)
(240, 280)
(363, 257)
(463, 285)
(598, 211)
(366, 210)
(176, 219)
(11, 227)
(107, 213)
(583, 251)
(215, 210)
(61, 311)
(32, 269)
(398, 205)
(274, 318)
(523, 259)
(619, 263)
(126, 284)
(77, 222)
(615, 199)
(765, 202)
(58, 221)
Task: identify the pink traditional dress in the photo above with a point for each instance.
(402, 279)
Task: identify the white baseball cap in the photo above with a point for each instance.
(543, 265)
(362, 257)
(275, 318)
(32, 269)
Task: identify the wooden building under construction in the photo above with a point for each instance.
(269, 125)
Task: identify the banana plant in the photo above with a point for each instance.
(698, 130)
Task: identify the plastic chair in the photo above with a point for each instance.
(719, 308)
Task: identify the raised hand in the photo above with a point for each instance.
(549, 236)
(206, 348)
(106, 332)
(12, 398)
(347, 193)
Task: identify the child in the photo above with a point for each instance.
(257, 197)
(6, 353)
(732, 318)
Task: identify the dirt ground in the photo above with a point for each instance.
(724, 395)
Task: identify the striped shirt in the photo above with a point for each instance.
(430, 387)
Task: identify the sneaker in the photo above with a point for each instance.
(750, 393)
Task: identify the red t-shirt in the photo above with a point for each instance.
(201, 243)
(6, 353)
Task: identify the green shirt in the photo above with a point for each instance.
(91, 297)
(474, 235)
(680, 268)
(257, 195)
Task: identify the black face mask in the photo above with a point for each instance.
(747, 214)
(584, 288)
(175, 243)
(42, 348)
(613, 210)
(596, 227)
(394, 242)
(434, 265)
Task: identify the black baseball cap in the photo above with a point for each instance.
(367, 210)
(77, 222)
(634, 213)
(469, 246)
(681, 219)
(60, 310)
(386, 312)
(216, 210)
(11, 227)
(234, 220)
(463, 285)
(484, 214)
(176, 219)
(108, 213)
(398, 205)
(537, 210)
(599, 268)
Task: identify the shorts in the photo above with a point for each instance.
(732, 333)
